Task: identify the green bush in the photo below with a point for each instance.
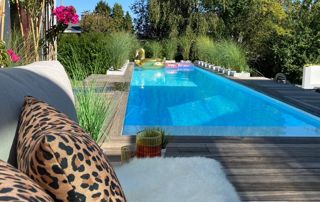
(118, 47)
(98, 50)
(185, 44)
(225, 53)
(203, 49)
(170, 48)
(153, 49)
(230, 55)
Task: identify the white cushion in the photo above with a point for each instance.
(175, 179)
(45, 81)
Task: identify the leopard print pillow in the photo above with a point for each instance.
(16, 186)
(56, 153)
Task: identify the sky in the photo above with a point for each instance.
(84, 5)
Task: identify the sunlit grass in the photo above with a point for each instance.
(93, 108)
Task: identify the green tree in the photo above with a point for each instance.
(118, 16)
(103, 20)
(300, 44)
(93, 22)
(102, 8)
(141, 21)
(127, 24)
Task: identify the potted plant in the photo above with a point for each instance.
(164, 141)
(151, 142)
(148, 143)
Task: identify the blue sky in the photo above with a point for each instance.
(84, 5)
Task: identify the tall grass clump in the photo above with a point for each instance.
(204, 48)
(227, 54)
(230, 55)
(118, 47)
(153, 49)
(170, 48)
(92, 108)
(185, 44)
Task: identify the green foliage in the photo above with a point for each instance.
(92, 108)
(140, 10)
(105, 20)
(251, 22)
(21, 46)
(153, 49)
(153, 133)
(203, 48)
(4, 57)
(164, 138)
(225, 53)
(160, 19)
(300, 45)
(96, 50)
(118, 47)
(279, 36)
(135, 45)
(170, 48)
(97, 23)
(230, 55)
(102, 8)
(127, 23)
(185, 44)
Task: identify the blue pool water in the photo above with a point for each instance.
(191, 101)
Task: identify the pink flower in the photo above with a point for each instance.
(66, 14)
(14, 57)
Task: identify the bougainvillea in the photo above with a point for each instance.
(13, 56)
(66, 15)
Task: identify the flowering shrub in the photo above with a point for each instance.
(4, 58)
(66, 14)
(7, 56)
(14, 57)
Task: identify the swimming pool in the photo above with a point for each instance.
(190, 101)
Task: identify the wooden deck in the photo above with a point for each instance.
(262, 169)
(307, 100)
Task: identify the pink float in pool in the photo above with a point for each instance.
(171, 65)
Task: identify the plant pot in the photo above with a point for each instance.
(148, 146)
(163, 152)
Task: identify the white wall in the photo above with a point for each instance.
(311, 77)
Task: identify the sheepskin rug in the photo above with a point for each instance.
(193, 179)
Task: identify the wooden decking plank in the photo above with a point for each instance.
(275, 179)
(271, 160)
(243, 145)
(272, 172)
(288, 186)
(280, 196)
(265, 169)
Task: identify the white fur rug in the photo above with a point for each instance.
(193, 179)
